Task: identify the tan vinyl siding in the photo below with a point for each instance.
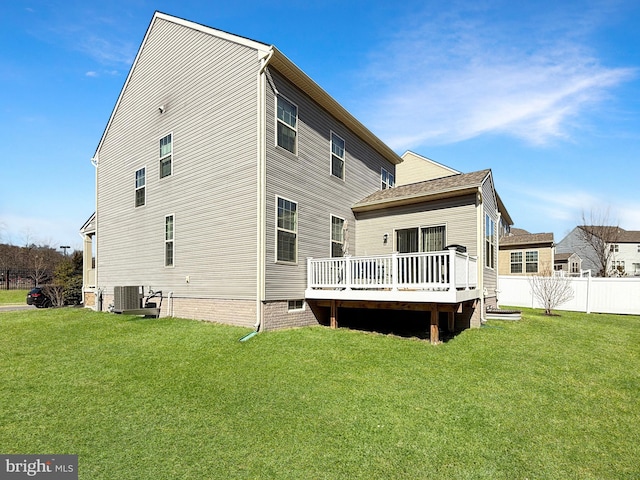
(415, 168)
(545, 259)
(306, 178)
(209, 92)
(490, 207)
(457, 214)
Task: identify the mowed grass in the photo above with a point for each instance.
(546, 397)
(13, 297)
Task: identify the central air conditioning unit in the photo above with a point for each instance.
(127, 298)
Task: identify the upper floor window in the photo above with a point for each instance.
(140, 187)
(337, 156)
(287, 231)
(489, 242)
(166, 154)
(613, 248)
(531, 259)
(337, 236)
(388, 180)
(168, 241)
(287, 120)
(516, 262)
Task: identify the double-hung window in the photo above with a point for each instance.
(337, 156)
(489, 243)
(140, 187)
(287, 120)
(168, 241)
(287, 231)
(166, 154)
(531, 259)
(337, 236)
(516, 262)
(388, 180)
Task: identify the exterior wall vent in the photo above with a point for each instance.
(127, 298)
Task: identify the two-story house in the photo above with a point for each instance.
(615, 246)
(229, 180)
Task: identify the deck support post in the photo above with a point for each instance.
(334, 315)
(434, 334)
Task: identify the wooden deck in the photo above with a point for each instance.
(433, 282)
(430, 277)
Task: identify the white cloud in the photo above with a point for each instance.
(91, 74)
(447, 82)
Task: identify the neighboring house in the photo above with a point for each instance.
(524, 253)
(224, 170)
(622, 247)
(569, 263)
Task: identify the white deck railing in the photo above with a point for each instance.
(399, 271)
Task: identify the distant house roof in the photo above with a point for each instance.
(444, 187)
(562, 257)
(526, 239)
(620, 234)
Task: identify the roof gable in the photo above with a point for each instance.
(272, 57)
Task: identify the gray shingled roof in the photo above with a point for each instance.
(622, 235)
(444, 186)
(526, 239)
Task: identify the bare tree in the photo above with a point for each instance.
(599, 233)
(551, 290)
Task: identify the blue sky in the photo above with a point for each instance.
(546, 94)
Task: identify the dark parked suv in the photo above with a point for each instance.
(37, 297)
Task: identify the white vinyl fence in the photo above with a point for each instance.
(591, 295)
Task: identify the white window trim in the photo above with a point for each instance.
(331, 217)
(521, 262)
(295, 129)
(286, 262)
(292, 310)
(135, 179)
(537, 262)
(172, 154)
(382, 182)
(344, 156)
(173, 240)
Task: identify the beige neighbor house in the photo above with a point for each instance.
(231, 182)
(524, 253)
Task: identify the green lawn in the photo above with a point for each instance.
(547, 398)
(13, 297)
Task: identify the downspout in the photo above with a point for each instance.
(95, 161)
(261, 190)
